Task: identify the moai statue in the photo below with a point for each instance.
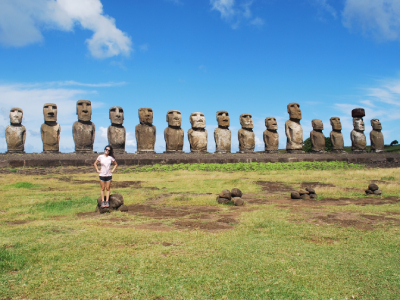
(222, 134)
(293, 129)
(84, 130)
(116, 132)
(50, 130)
(317, 137)
(337, 136)
(173, 134)
(247, 141)
(271, 135)
(358, 139)
(376, 136)
(16, 132)
(145, 131)
(198, 135)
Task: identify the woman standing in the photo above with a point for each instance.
(105, 174)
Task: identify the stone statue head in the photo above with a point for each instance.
(223, 118)
(336, 124)
(294, 111)
(146, 116)
(197, 120)
(271, 123)
(16, 115)
(50, 112)
(376, 124)
(84, 110)
(116, 115)
(174, 118)
(317, 124)
(246, 121)
(358, 124)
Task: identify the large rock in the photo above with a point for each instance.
(238, 201)
(222, 200)
(295, 195)
(310, 190)
(373, 187)
(225, 194)
(116, 200)
(236, 193)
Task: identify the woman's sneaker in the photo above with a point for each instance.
(107, 204)
(103, 204)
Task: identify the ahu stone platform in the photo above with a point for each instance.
(79, 160)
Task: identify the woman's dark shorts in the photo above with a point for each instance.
(105, 178)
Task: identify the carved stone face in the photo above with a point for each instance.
(294, 111)
(376, 124)
(246, 121)
(174, 118)
(117, 115)
(198, 120)
(146, 116)
(271, 123)
(50, 112)
(84, 110)
(358, 124)
(317, 124)
(16, 115)
(336, 124)
(223, 118)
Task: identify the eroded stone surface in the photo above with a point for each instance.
(116, 133)
(337, 135)
(271, 135)
(317, 137)
(246, 135)
(293, 129)
(222, 134)
(376, 136)
(15, 132)
(174, 134)
(358, 139)
(145, 131)
(84, 130)
(198, 135)
(50, 130)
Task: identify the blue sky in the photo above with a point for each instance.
(237, 55)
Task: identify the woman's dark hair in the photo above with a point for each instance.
(111, 153)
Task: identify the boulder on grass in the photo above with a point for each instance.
(369, 192)
(303, 192)
(373, 187)
(221, 200)
(123, 208)
(378, 192)
(295, 195)
(238, 201)
(313, 196)
(225, 194)
(305, 197)
(236, 193)
(310, 190)
(116, 200)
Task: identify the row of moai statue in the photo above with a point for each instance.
(84, 132)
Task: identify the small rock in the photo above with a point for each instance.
(236, 193)
(310, 190)
(303, 192)
(305, 197)
(378, 192)
(373, 187)
(221, 200)
(313, 196)
(238, 201)
(369, 192)
(295, 195)
(225, 194)
(123, 208)
(104, 210)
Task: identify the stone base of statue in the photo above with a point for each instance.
(174, 151)
(318, 151)
(246, 151)
(222, 151)
(145, 151)
(198, 151)
(15, 152)
(84, 151)
(338, 151)
(120, 151)
(356, 151)
(377, 151)
(294, 151)
(272, 151)
(51, 152)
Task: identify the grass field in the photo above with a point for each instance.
(176, 242)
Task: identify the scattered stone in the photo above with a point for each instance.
(373, 187)
(238, 201)
(123, 208)
(302, 192)
(369, 192)
(305, 197)
(310, 190)
(222, 200)
(313, 196)
(378, 192)
(225, 194)
(295, 195)
(236, 193)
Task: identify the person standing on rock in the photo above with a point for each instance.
(105, 173)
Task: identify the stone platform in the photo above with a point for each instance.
(129, 159)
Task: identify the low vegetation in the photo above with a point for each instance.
(176, 242)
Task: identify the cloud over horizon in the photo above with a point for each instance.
(22, 23)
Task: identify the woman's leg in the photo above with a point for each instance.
(108, 187)
(103, 186)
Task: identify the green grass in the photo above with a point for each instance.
(23, 185)
(47, 251)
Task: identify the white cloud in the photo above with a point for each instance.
(234, 13)
(379, 18)
(325, 7)
(22, 23)
(144, 47)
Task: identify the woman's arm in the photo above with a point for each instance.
(95, 165)
(115, 166)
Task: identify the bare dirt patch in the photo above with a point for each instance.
(314, 184)
(274, 187)
(18, 222)
(202, 225)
